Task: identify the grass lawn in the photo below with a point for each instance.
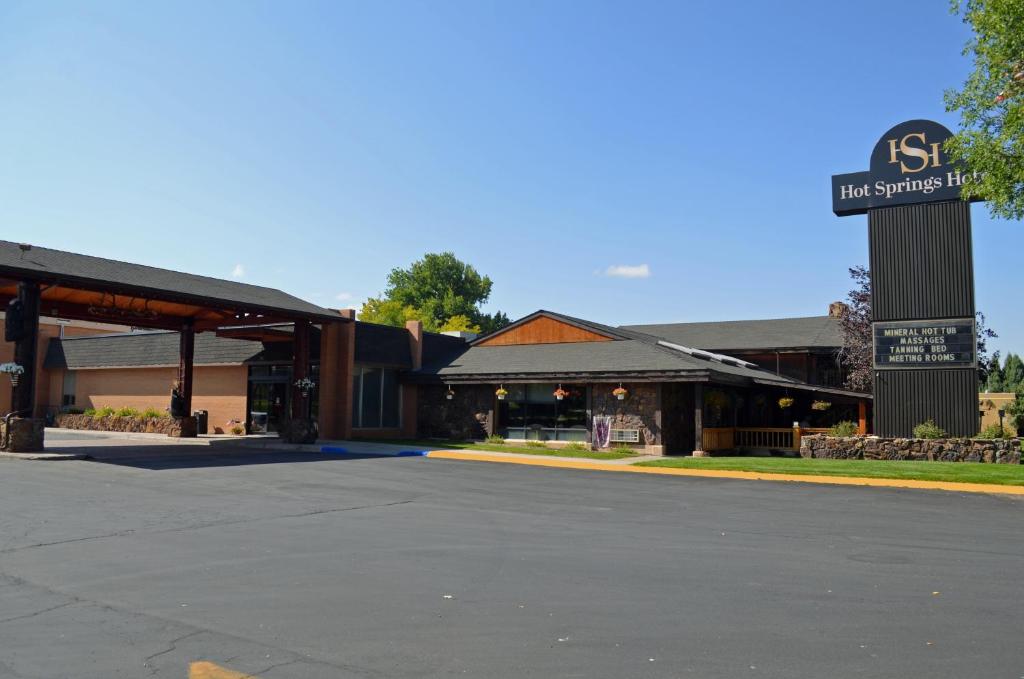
(964, 472)
(512, 448)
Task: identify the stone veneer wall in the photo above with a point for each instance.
(638, 411)
(25, 435)
(465, 417)
(1003, 451)
(172, 426)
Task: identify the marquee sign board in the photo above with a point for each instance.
(922, 280)
(908, 165)
(925, 344)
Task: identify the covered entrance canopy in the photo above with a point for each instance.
(38, 281)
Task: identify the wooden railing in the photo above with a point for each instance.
(718, 438)
(765, 438)
(756, 438)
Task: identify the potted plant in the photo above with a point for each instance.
(786, 402)
(13, 370)
(560, 393)
(821, 406)
(501, 393)
(305, 386)
(620, 392)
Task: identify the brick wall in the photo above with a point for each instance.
(221, 390)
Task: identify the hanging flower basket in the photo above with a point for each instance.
(305, 385)
(501, 393)
(560, 393)
(786, 402)
(13, 370)
(821, 405)
(620, 392)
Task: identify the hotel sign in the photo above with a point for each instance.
(925, 344)
(908, 165)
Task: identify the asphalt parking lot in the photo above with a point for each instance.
(150, 557)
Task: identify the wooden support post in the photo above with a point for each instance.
(186, 356)
(300, 370)
(23, 396)
(862, 417)
(698, 420)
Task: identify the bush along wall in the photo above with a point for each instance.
(1001, 451)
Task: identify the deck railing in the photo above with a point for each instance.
(756, 438)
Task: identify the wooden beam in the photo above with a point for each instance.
(698, 419)
(23, 396)
(81, 312)
(186, 356)
(300, 370)
(147, 293)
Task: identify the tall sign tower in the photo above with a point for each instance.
(922, 280)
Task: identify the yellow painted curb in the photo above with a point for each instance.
(726, 474)
(208, 670)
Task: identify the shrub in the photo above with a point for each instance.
(576, 445)
(496, 440)
(994, 431)
(238, 430)
(89, 412)
(105, 411)
(150, 413)
(843, 429)
(929, 430)
(127, 411)
(623, 448)
(536, 444)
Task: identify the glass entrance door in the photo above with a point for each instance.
(268, 404)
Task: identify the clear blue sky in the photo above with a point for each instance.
(314, 146)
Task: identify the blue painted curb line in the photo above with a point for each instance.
(338, 450)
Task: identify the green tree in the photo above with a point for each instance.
(440, 290)
(994, 375)
(991, 105)
(1013, 373)
(1016, 410)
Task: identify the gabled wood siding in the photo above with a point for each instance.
(543, 330)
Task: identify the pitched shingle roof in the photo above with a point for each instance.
(145, 349)
(810, 332)
(630, 355)
(624, 357)
(71, 267)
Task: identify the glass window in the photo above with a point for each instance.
(376, 398)
(68, 393)
(535, 406)
(370, 407)
(389, 399)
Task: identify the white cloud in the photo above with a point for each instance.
(628, 271)
(343, 296)
(238, 271)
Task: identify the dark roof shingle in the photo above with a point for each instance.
(144, 349)
(809, 332)
(39, 262)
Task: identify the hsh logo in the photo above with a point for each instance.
(927, 155)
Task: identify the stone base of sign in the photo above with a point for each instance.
(701, 453)
(999, 451)
(22, 435)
